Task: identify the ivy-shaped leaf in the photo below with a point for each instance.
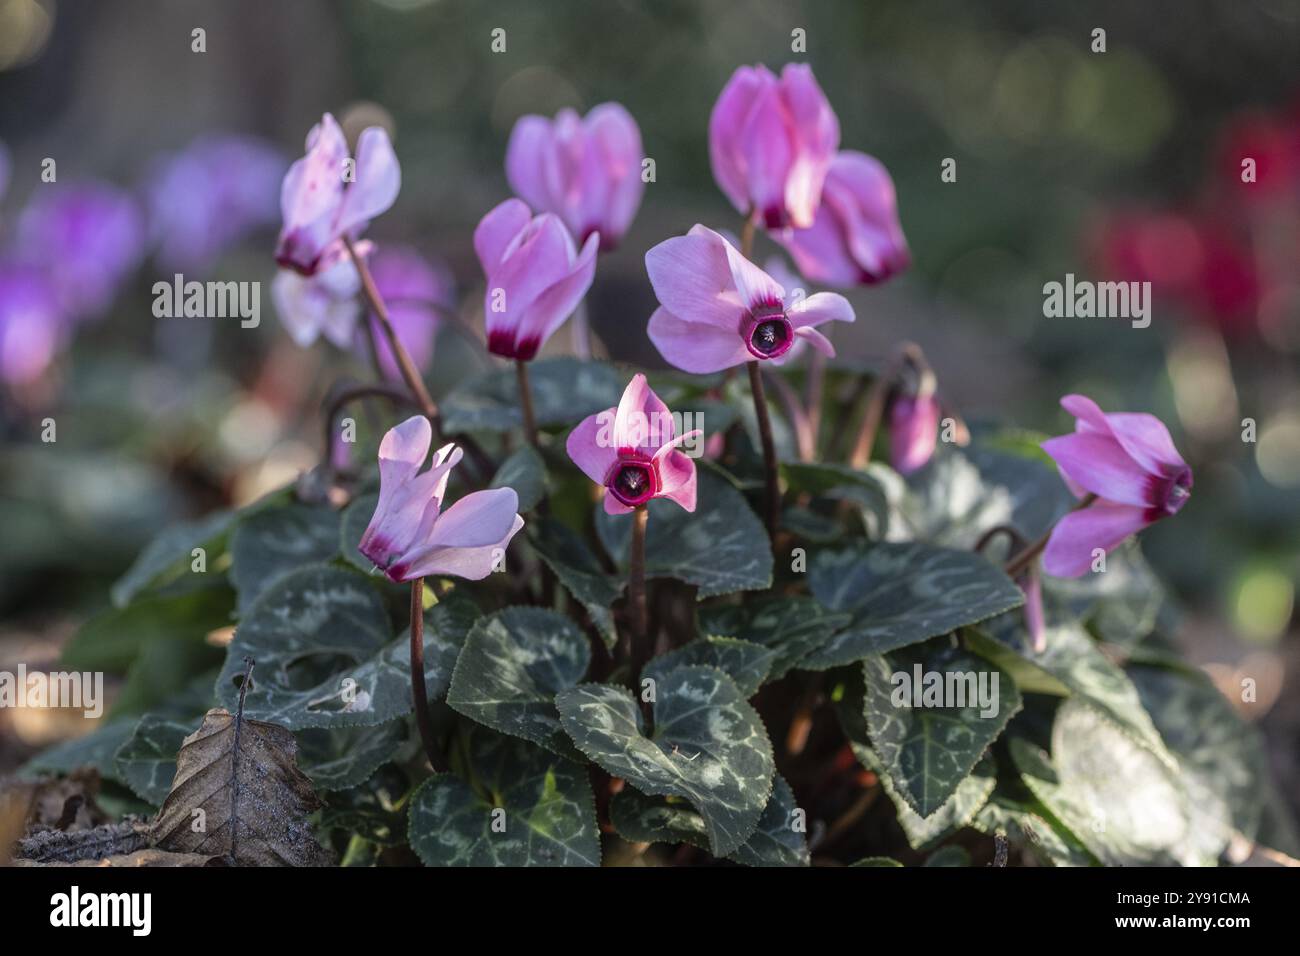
(708, 746)
(352, 525)
(791, 626)
(512, 666)
(273, 542)
(929, 750)
(721, 548)
(1071, 658)
(326, 656)
(146, 761)
(841, 483)
(564, 390)
(778, 841)
(580, 572)
(523, 806)
(96, 749)
(901, 594)
(747, 664)
(1122, 803)
(336, 758)
(525, 472)
(1029, 825)
(375, 810)
(171, 554)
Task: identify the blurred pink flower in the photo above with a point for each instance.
(327, 302)
(771, 142)
(634, 453)
(415, 290)
(33, 327)
(913, 431)
(87, 238)
(1129, 462)
(585, 170)
(856, 237)
(1032, 586)
(719, 310)
(535, 277)
(209, 196)
(410, 536)
(325, 198)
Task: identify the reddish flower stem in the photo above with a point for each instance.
(526, 402)
(1022, 560)
(772, 478)
(419, 695)
(639, 653)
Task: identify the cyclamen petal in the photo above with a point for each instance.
(913, 431)
(410, 536)
(641, 457)
(535, 277)
(721, 310)
(1069, 552)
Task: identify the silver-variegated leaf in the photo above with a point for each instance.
(746, 663)
(792, 627)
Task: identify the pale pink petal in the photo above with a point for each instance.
(755, 287)
(555, 304)
(913, 432)
(643, 421)
(477, 520)
(615, 138)
(729, 117)
(378, 181)
(310, 197)
(403, 450)
(692, 278)
(1099, 464)
(591, 445)
(821, 252)
(677, 473)
(818, 136)
(814, 338)
(1100, 525)
(819, 308)
(695, 347)
(497, 230)
(1146, 438)
(615, 507)
(526, 156)
(766, 144)
(472, 563)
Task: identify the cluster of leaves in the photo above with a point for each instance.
(1104, 749)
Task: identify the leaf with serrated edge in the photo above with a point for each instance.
(147, 759)
(791, 626)
(645, 819)
(745, 662)
(901, 594)
(336, 758)
(276, 541)
(549, 814)
(1123, 804)
(580, 572)
(512, 666)
(708, 746)
(928, 751)
(356, 518)
(721, 548)
(326, 656)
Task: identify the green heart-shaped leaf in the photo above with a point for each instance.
(512, 666)
(337, 758)
(146, 761)
(929, 750)
(1030, 824)
(580, 572)
(525, 472)
(275, 541)
(325, 655)
(901, 594)
(745, 663)
(524, 806)
(778, 841)
(171, 554)
(721, 548)
(708, 746)
(791, 626)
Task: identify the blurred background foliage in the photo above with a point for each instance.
(1123, 164)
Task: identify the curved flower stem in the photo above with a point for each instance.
(638, 652)
(348, 395)
(795, 415)
(420, 696)
(526, 402)
(410, 373)
(773, 479)
(1016, 539)
(1022, 560)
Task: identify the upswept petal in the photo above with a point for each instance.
(1099, 464)
(589, 452)
(377, 183)
(819, 308)
(497, 230)
(695, 347)
(691, 277)
(1100, 525)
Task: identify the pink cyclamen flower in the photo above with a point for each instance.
(33, 326)
(771, 142)
(325, 198)
(1129, 462)
(1032, 586)
(856, 238)
(327, 302)
(719, 310)
(586, 170)
(410, 536)
(634, 453)
(914, 418)
(535, 277)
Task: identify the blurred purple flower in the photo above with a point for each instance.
(856, 237)
(32, 326)
(586, 170)
(324, 198)
(325, 303)
(205, 198)
(87, 237)
(415, 291)
(771, 142)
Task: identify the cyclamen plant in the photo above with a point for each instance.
(604, 685)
